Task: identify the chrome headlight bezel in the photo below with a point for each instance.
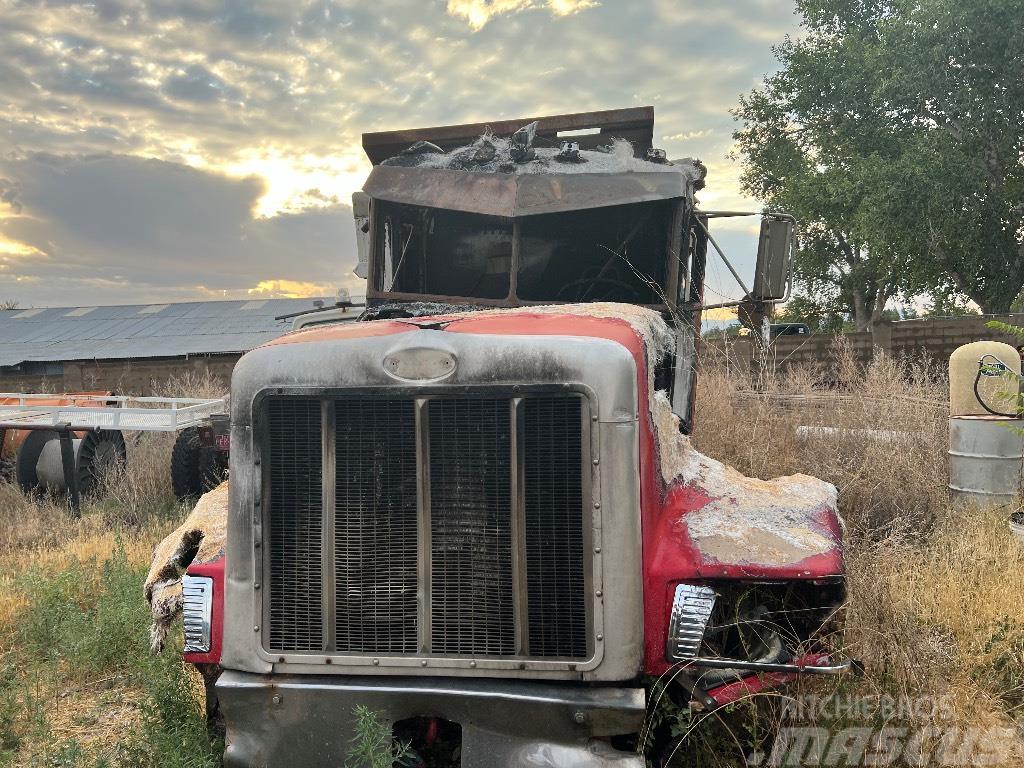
(692, 605)
(197, 612)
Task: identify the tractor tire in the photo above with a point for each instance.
(213, 468)
(186, 481)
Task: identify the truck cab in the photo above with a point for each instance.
(477, 513)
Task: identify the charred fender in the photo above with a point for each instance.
(704, 522)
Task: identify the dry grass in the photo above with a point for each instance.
(751, 422)
(76, 681)
(936, 593)
(936, 607)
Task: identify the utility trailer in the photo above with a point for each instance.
(63, 442)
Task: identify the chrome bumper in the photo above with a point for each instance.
(766, 666)
(289, 720)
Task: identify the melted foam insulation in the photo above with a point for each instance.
(746, 520)
(200, 539)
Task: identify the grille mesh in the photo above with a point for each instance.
(296, 614)
(375, 526)
(552, 466)
(470, 524)
(469, 476)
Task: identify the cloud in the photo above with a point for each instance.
(479, 12)
(198, 84)
(121, 226)
(255, 108)
(688, 135)
(290, 289)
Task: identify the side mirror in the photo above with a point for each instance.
(774, 259)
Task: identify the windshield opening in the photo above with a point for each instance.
(615, 253)
(618, 253)
(434, 251)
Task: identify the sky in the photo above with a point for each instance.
(181, 150)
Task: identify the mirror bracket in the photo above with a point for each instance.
(773, 281)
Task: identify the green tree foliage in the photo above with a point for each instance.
(820, 317)
(895, 132)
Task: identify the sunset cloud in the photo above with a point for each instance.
(479, 12)
(172, 150)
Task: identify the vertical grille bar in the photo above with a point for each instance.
(329, 502)
(470, 506)
(553, 479)
(296, 572)
(375, 523)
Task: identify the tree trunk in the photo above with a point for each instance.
(878, 306)
(881, 332)
(861, 316)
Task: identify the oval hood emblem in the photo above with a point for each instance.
(419, 364)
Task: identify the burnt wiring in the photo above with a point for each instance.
(997, 368)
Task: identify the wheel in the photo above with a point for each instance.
(100, 451)
(213, 468)
(186, 480)
(28, 457)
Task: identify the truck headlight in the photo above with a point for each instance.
(691, 611)
(197, 609)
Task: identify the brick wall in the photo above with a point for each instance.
(123, 377)
(935, 337)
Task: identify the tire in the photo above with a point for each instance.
(186, 481)
(213, 468)
(28, 456)
(100, 451)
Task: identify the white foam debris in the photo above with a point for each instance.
(747, 520)
(618, 159)
(648, 324)
(200, 539)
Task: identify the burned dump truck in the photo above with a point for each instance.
(478, 514)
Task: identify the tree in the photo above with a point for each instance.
(819, 317)
(9, 304)
(894, 131)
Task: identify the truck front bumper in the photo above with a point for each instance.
(289, 720)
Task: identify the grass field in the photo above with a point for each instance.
(936, 607)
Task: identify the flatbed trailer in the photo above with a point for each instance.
(82, 417)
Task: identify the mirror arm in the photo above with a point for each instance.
(721, 253)
(792, 252)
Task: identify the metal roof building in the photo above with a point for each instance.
(61, 334)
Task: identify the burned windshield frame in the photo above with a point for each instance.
(640, 266)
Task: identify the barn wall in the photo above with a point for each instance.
(123, 377)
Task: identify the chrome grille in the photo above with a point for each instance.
(552, 455)
(452, 525)
(197, 612)
(471, 601)
(691, 610)
(375, 526)
(296, 524)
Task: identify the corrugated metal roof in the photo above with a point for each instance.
(143, 330)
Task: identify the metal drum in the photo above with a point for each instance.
(986, 460)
